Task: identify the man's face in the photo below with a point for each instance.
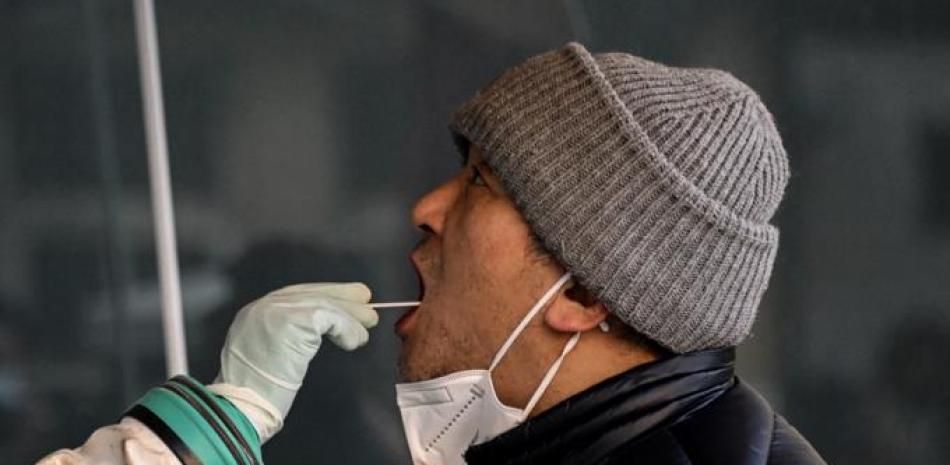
(478, 272)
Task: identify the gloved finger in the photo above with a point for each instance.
(356, 292)
(349, 291)
(362, 313)
(346, 332)
(318, 302)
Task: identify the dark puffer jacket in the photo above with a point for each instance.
(687, 409)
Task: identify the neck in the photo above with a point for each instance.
(596, 357)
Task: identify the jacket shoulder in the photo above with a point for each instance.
(740, 427)
(789, 447)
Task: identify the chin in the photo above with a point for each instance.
(408, 366)
(421, 359)
(402, 371)
(409, 373)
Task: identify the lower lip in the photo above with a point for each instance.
(404, 323)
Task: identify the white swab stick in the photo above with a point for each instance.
(393, 304)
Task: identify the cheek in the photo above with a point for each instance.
(484, 257)
(493, 239)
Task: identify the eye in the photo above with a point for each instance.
(477, 178)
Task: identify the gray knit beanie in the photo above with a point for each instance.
(652, 184)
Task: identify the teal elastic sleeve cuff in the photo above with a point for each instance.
(200, 427)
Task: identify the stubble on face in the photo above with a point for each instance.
(437, 346)
(477, 272)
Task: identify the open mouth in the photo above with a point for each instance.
(406, 322)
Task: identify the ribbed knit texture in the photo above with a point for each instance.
(654, 185)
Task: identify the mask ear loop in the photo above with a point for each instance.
(549, 376)
(527, 319)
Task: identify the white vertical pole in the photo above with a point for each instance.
(176, 358)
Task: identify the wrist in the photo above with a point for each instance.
(264, 416)
(238, 371)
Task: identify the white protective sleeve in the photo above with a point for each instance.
(127, 443)
(132, 443)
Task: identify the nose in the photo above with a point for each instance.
(430, 210)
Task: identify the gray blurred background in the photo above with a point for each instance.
(301, 131)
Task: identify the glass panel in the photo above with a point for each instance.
(79, 329)
(300, 132)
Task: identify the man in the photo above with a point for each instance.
(585, 278)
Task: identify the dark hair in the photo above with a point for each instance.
(536, 250)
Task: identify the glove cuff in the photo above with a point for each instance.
(198, 426)
(266, 418)
(238, 371)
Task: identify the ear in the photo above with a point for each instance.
(574, 310)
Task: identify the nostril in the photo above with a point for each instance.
(426, 228)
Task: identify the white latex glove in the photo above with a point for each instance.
(272, 340)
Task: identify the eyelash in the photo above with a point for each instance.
(477, 178)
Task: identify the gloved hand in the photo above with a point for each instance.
(272, 340)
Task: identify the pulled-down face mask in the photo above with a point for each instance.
(442, 417)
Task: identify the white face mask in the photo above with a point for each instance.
(442, 417)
